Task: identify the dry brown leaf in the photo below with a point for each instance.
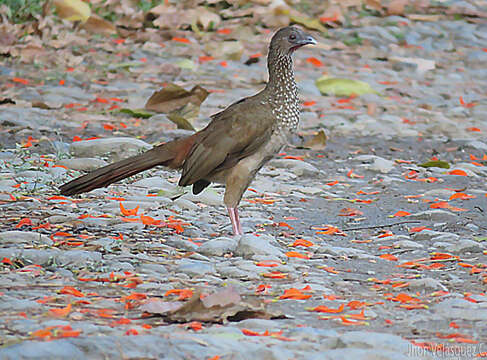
(466, 9)
(174, 97)
(158, 306)
(225, 297)
(30, 52)
(170, 17)
(98, 25)
(423, 17)
(317, 142)
(374, 5)
(397, 7)
(220, 307)
(206, 18)
(348, 3)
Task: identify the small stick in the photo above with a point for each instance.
(382, 226)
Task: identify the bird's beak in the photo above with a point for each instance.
(304, 40)
(307, 40)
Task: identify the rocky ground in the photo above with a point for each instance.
(352, 251)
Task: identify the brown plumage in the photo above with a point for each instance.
(233, 147)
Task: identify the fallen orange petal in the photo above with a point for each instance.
(71, 291)
(389, 257)
(128, 212)
(401, 214)
(63, 312)
(326, 309)
(296, 254)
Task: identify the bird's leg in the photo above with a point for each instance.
(234, 218)
(239, 224)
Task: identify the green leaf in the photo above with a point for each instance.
(72, 10)
(435, 163)
(310, 23)
(186, 64)
(125, 65)
(180, 121)
(136, 113)
(480, 238)
(343, 87)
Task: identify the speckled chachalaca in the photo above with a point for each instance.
(237, 142)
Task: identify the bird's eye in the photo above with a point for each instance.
(292, 37)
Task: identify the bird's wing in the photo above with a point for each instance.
(237, 132)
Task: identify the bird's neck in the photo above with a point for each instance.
(281, 75)
(282, 92)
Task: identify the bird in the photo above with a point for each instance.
(234, 145)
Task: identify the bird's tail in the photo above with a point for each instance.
(171, 154)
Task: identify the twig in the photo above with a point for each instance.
(382, 226)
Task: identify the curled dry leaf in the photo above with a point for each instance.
(221, 306)
(98, 25)
(183, 106)
(317, 142)
(174, 97)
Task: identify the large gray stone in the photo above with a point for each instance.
(434, 215)
(218, 247)
(297, 167)
(23, 237)
(374, 340)
(116, 148)
(461, 309)
(82, 164)
(195, 267)
(78, 258)
(250, 245)
(376, 163)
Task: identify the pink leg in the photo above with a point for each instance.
(235, 220)
(239, 225)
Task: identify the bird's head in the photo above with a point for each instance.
(288, 39)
